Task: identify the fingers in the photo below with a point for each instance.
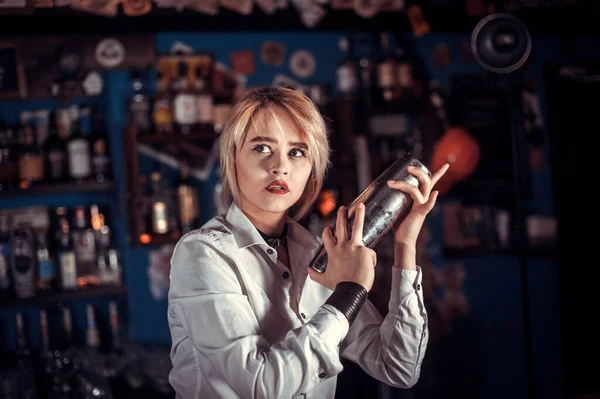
(438, 175)
(408, 188)
(341, 230)
(431, 202)
(425, 183)
(357, 227)
(328, 237)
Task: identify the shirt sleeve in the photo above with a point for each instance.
(207, 305)
(391, 349)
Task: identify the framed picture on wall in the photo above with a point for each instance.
(12, 74)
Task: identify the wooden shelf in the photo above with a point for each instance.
(60, 189)
(44, 299)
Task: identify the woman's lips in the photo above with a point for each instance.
(278, 187)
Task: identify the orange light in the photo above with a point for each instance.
(145, 238)
(327, 203)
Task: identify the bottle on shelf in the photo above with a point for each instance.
(9, 154)
(84, 244)
(347, 80)
(25, 364)
(46, 269)
(55, 149)
(160, 208)
(204, 99)
(188, 200)
(100, 153)
(5, 283)
(23, 260)
(31, 159)
(65, 254)
(78, 150)
(162, 108)
(139, 104)
(185, 107)
(386, 70)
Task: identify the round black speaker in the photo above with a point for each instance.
(501, 43)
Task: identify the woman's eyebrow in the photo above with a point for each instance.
(267, 139)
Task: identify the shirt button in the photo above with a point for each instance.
(303, 315)
(322, 375)
(270, 251)
(285, 274)
(418, 287)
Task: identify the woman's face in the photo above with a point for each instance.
(272, 165)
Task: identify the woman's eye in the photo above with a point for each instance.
(261, 148)
(296, 153)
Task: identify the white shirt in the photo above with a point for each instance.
(243, 325)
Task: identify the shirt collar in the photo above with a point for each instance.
(246, 234)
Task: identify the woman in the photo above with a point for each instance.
(248, 318)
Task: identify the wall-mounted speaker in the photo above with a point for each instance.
(501, 43)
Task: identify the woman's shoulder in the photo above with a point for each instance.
(213, 233)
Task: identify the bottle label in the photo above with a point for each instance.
(185, 109)
(46, 269)
(386, 74)
(404, 75)
(79, 158)
(346, 79)
(162, 113)
(31, 167)
(205, 109)
(68, 270)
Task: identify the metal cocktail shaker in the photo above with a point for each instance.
(384, 206)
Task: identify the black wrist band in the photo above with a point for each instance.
(348, 298)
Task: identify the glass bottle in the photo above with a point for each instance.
(31, 159)
(55, 149)
(78, 149)
(188, 200)
(185, 104)
(100, 154)
(346, 72)
(162, 110)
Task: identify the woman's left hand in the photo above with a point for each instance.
(407, 232)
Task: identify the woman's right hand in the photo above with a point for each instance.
(348, 257)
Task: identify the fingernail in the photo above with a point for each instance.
(391, 181)
(361, 205)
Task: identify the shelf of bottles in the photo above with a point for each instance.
(100, 364)
(57, 151)
(55, 253)
(178, 126)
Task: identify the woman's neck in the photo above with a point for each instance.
(270, 224)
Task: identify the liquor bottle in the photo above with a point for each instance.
(115, 333)
(46, 269)
(162, 107)
(386, 70)
(346, 73)
(31, 159)
(78, 150)
(160, 206)
(55, 149)
(188, 200)
(404, 69)
(8, 158)
(23, 261)
(185, 107)
(204, 99)
(100, 154)
(139, 105)
(67, 265)
(366, 66)
(25, 365)
(84, 244)
(101, 229)
(4, 257)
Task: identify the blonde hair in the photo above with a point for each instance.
(307, 117)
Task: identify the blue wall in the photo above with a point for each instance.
(485, 356)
